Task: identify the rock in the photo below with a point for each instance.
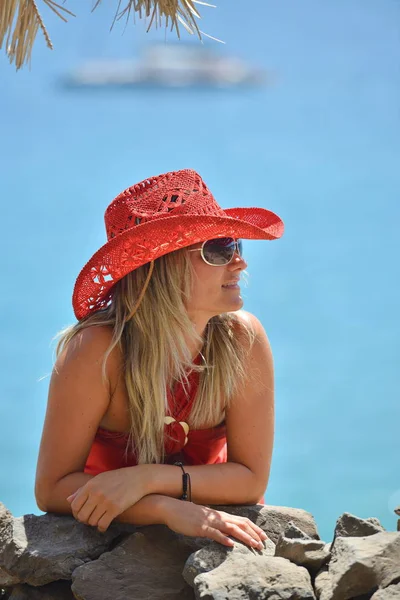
(6, 533)
(349, 525)
(148, 564)
(298, 547)
(40, 549)
(359, 565)
(274, 519)
(323, 583)
(213, 555)
(240, 573)
(392, 592)
(59, 590)
(7, 580)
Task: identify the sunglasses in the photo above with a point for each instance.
(219, 251)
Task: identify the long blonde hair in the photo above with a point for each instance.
(156, 354)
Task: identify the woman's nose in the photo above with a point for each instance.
(238, 262)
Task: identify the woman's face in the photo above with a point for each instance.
(209, 297)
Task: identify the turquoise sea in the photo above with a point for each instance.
(319, 145)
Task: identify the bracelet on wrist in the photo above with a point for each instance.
(186, 483)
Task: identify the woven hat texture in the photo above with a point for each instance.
(157, 216)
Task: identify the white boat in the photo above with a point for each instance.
(169, 65)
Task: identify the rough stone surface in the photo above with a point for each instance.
(7, 580)
(359, 565)
(41, 549)
(154, 562)
(302, 550)
(244, 577)
(323, 582)
(214, 554)
(392, 592)
(148, 564)
(349, 525)
(6, 534)
(59, 590)
(274, 519)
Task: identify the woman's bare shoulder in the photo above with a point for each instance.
(248, 320)
(88, 348)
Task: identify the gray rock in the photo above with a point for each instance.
(40, 549)
(243, 576)
(349, 525)
(392, 592)
(323, 583)
(302, 550)
(7, 580)
(59, 590)
(6, 533)
(148, 564)
(360, 565)
(274, 519)
(293, 532)
(213, 555)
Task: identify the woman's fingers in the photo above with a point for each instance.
(238, 527)
(104, 522)
(252, 529)
(247, 525)
(96, 515)
(217, 535)
(243, 536)
(83, 509)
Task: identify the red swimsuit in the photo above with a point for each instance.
(198, 447)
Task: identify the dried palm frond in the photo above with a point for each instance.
(28, 20)
(19, 43)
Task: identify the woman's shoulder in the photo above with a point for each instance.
(246, 320)
(89, 346)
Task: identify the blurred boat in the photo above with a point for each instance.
(172, 65)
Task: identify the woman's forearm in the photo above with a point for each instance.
(52, 497)
(224, 483)
(150, 510)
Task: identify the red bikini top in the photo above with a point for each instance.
(192, 447)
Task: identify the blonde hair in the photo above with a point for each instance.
(155, 351)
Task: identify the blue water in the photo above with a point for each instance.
(319, 146)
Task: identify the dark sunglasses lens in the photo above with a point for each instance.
(219, 251)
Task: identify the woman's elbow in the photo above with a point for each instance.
(45, 497)
(258, 490)
(41, 496)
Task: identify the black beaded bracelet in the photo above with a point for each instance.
(186, 483)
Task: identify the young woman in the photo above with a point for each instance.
(164, 380)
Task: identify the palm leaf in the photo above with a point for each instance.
(21, 19)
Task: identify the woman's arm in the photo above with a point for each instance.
(77, 401)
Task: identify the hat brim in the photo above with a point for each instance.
(152, 239)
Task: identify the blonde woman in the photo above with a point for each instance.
(161, 399)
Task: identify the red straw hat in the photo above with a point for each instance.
(155, 217)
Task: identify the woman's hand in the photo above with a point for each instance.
(201, 521)
(107, 495)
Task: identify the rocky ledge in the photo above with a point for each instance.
(52, 557)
